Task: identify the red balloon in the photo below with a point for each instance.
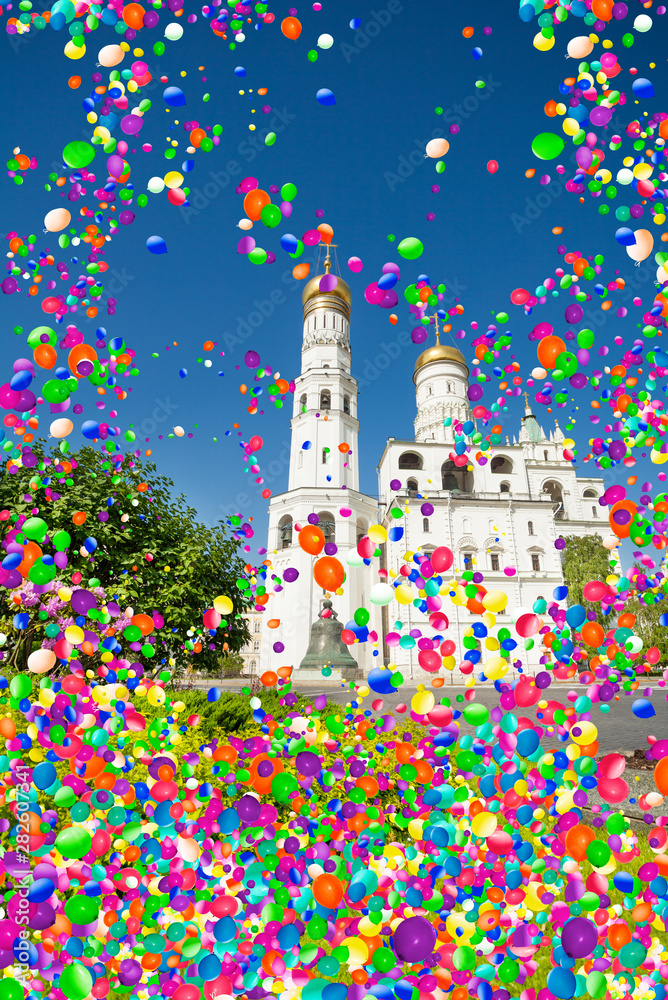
(328, 572)
(366, 547)
(429, 660)
(441, 559)
(595, 590)
(492, 166)
(519, 296)
(348, 637)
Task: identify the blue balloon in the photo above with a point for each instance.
(21, 380)
(642, 87)
(90, 429)
(643, 709)
(562, 983)
(625, 236)
(575, 615)
(289, 243)
(240, 71)
(156, 244)
(44, 776)
(41, 889)
(325, 97)
(379, 680)
(213, 694)
(477, 52)
(388, 280)
(209, 968)
(174, 97)
(183, 372)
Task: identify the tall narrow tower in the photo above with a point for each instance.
(323, 478)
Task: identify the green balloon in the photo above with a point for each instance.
(463, 958)
(61, 541)
(567, 363)
(598, 853)
(258, 255)
(41, 572)
(270, 139)
(81, 909)
(586, 339)
(508, 971)
(11, 989)
(475, 714)
(627, 40)
(383, 959)
(288, 191)
(270, 216)
(361, 617)
(35, 336)
(76, 981)
(132, 633)
(55, 391)
(35, 529)
(632, 954)
(20, 686)
(410, 248)
(73, 842)
(597, 985)
(547, 146)
(283, 785)
(78, 154)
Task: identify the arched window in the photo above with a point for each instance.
(594, 512)
(545, 454)
(455, 478)
(590, 494)
(302, 402)
(346, 404)
(326, 525)
(504, 488)
(494, 562)
(325, 400)
(430, 391)
(252, 666)
(501, 465)
(555, 492)
(530, 526)
(425, 524)
(409, 460)
(285, 532)
(257, 627)
(325, 366)
(466, 525)
(412, 487)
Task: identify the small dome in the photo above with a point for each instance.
(312, 291)
(440, 352)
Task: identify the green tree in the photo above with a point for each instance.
(584, 559)
(151, 551)
(648, 611)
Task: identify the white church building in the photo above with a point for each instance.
(507, 513)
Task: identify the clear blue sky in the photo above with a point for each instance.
(343, 159)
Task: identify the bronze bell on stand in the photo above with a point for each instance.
(326, 648)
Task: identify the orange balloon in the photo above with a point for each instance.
(31, 552)
(311, 539)
(327, 890)
(291, 28)
(82, 352)
(273, 623)
(74, 82)
(254, 202)
(326, 232)
(577, 840)
(328, 572)
(661, 775)
(601, 8)
(196, 137)
(549, 349)
(45, 356)
(79, 517)
(301, 271)
(269, 679)
(144, 623)
(619, 935)
(622, 530)
(133, 15)
(7, 729)
(592, 633)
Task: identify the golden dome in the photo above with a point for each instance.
(312, 291)
(440, 352)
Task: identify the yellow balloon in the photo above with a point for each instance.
(495, 600)
(377, 533)
(588, 733)
(571, 126)
(542, 43)
(403, 594)
(642, 171)
(484, 824)
(73, 51)
(173, 179)
(223, 605)
(658, 458)
(422, 702)
(415, 829)
(495, 668)
(74, 635)
(358, 953)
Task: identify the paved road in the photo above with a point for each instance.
(618, 730)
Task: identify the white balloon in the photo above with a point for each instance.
(643, 245)
(625, 176)
(580, 47)
(661, 275)
(57, 219)
(174, 31)
(325, 42)
(110, 55)
(156, 185)
(354, 558)
(643, 22)
(179, 431)
(61, 428)
(381, 593)
(437, 148)
(245, 224)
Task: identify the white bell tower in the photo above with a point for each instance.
(441, 391)
(323, 480)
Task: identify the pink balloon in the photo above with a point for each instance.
(441, 559)
(595, 590)
(429, 660)
(613, 765)
(249, 184)
(355, 264)
(373, 294)
(527, 625)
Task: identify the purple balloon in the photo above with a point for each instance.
(418, 334)
(578, 381)
(427, 509)
(82, 601)
(248, 808)
(252, 359)
(132, 124)
(579, 937)
(617, 450)
(245, 244)
(395, 484)
(290, 574)
(328, 283)
(600, 115)
(584, 157)
(573, 313)
(475, 392)
(308, 763)
(414, 939)
(10, 285)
